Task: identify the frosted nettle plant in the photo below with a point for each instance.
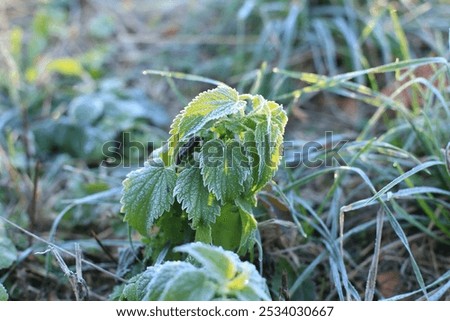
(223, 149)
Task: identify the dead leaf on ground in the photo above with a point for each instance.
(389, 283)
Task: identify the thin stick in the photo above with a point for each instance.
(34, 197)
(67, 272)
(82, 288)
(107, 252)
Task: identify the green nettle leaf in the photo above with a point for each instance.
(255, 285)
(279, 116)
(136, 287)
(248, 224)
(209, 105)
(189, 286)
(167, 155)
(220, 264)
(206, 107)
(263, 144)
(199, 203)
(268, 140)
(224, 169)
(216, 275)
(172, 281)
(147, 194)
(163, 274)
(3, 293)
(260, 107)
(249, 227)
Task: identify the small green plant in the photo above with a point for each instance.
(215, 274)
(202, 185)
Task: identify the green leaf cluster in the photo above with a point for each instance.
(214, 274)
(223, 149)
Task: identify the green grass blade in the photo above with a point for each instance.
(401, 235)
(373, 270)
(307, 272)
(183, 76)
(401, 178)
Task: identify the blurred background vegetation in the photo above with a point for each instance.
(375, 73)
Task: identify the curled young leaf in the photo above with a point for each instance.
(206, 107)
